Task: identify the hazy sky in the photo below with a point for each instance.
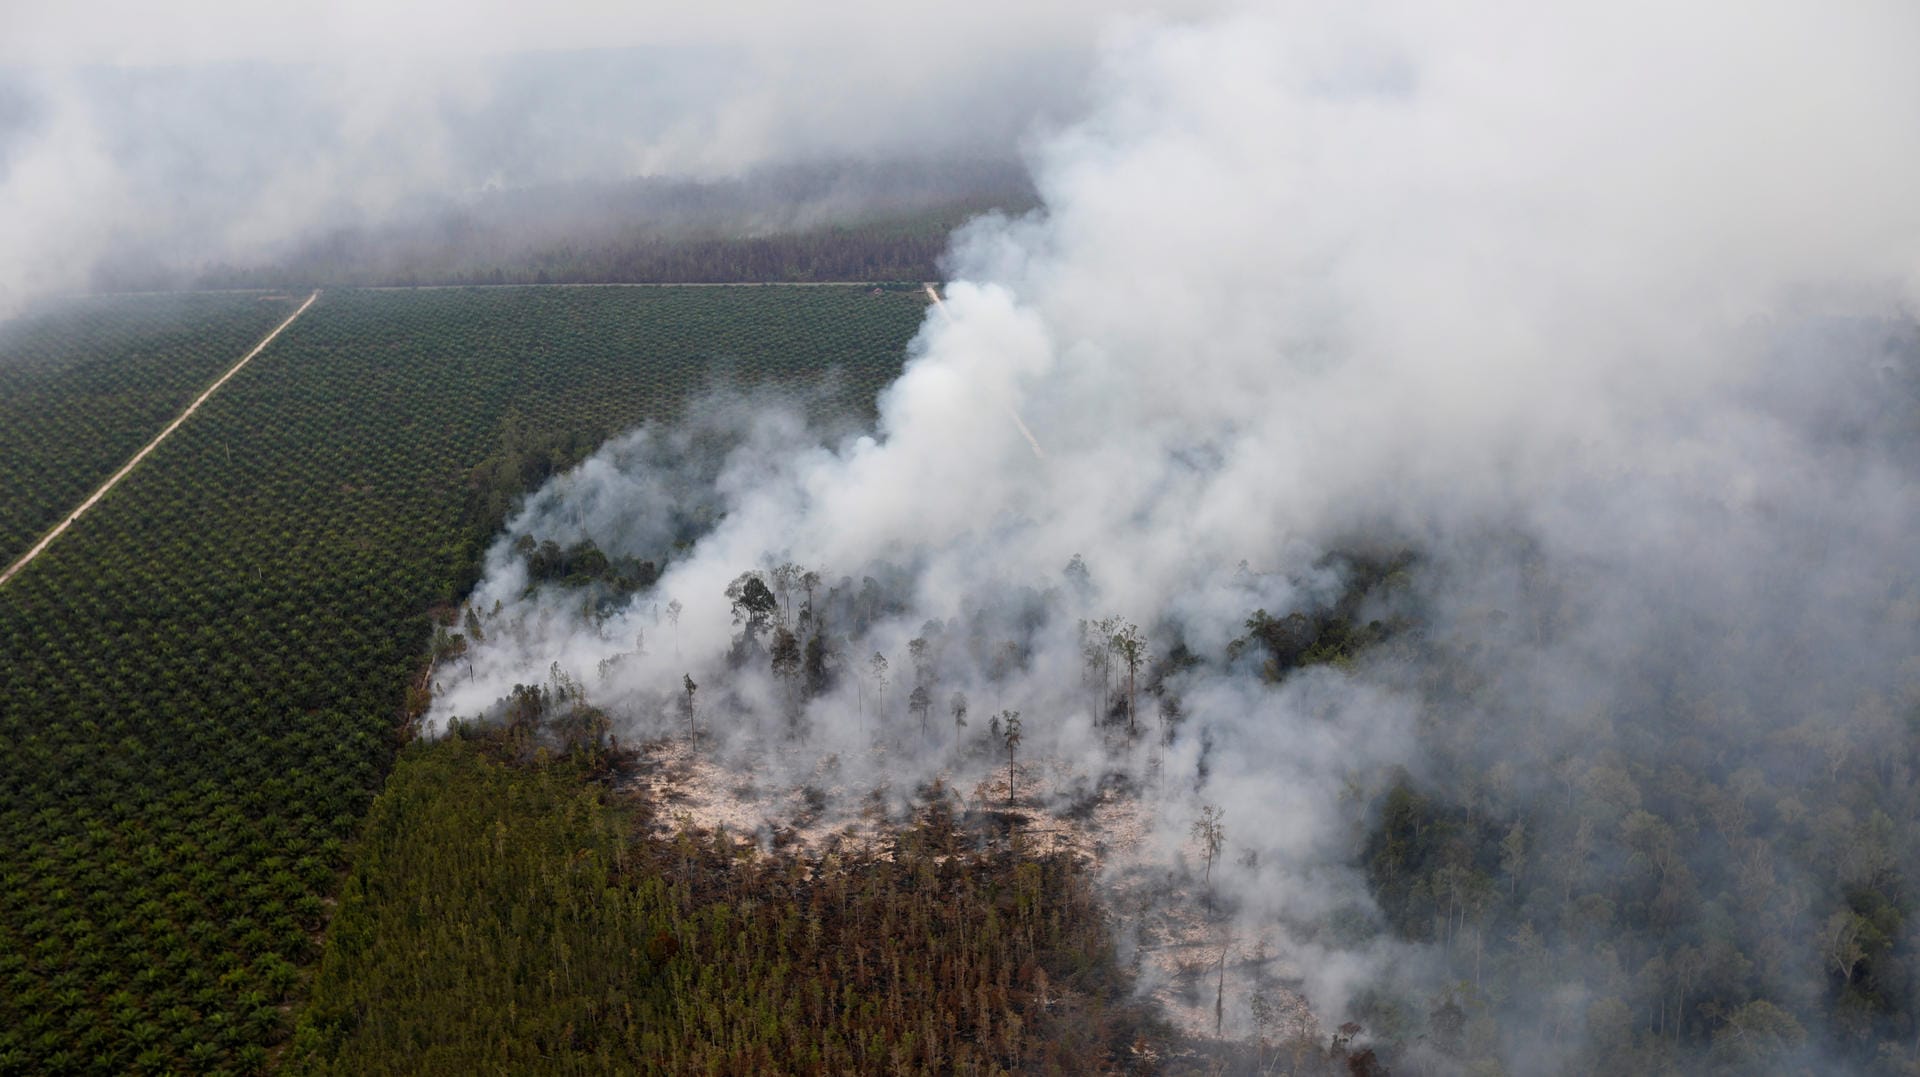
(206, 132)
(868, 32)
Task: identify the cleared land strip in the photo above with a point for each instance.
(127, 468)
(633, 284)
(519, 284)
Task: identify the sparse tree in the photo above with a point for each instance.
(449, 646)
(1755, 1038)
(868, 604)
(1266, 1025)
(1131, 646)
(1211, 833)
(442, 645)
(1220, 987)
(474, 631)
(526, 706)
(816, 676)
(1105, 629)
(686, 708)
(920, 701)
(921, 652)
(1010, 736)
(1079, 579)
(607, 665)
(959, 707)
(1096, 647)
(1090, 652)
(1840, 944)
(809, 581)
(565, 688)
(753, 607)
(877, 666)
(786, 579)
(1513, 856)
(785, 655)
(673, 618)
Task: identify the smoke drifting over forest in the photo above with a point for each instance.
(1586, 322)
(139, 152)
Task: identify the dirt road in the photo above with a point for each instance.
(127, 468)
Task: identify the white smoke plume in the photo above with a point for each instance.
(1596, 294)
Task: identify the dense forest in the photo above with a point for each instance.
(513, 916)
(897, 250)
(1678, 891)
(874, 222)
(204, 681)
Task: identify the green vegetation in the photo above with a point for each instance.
(202, 681)
(520, 919)
(1335, 635)
(84, 384)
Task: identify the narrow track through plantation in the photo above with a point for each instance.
(201, 684)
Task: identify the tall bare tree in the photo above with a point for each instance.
(1096, 647)
(785, 661)
(1220, 986)
(877, 665)
(786, 579)
(1010, 736)
(1211, 833)
(809, 581)
(686, 708)
(1131, 646)
(673, 618)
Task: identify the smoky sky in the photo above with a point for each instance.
(221, 133)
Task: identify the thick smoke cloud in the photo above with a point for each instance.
(217, 133)
(1594, 309)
